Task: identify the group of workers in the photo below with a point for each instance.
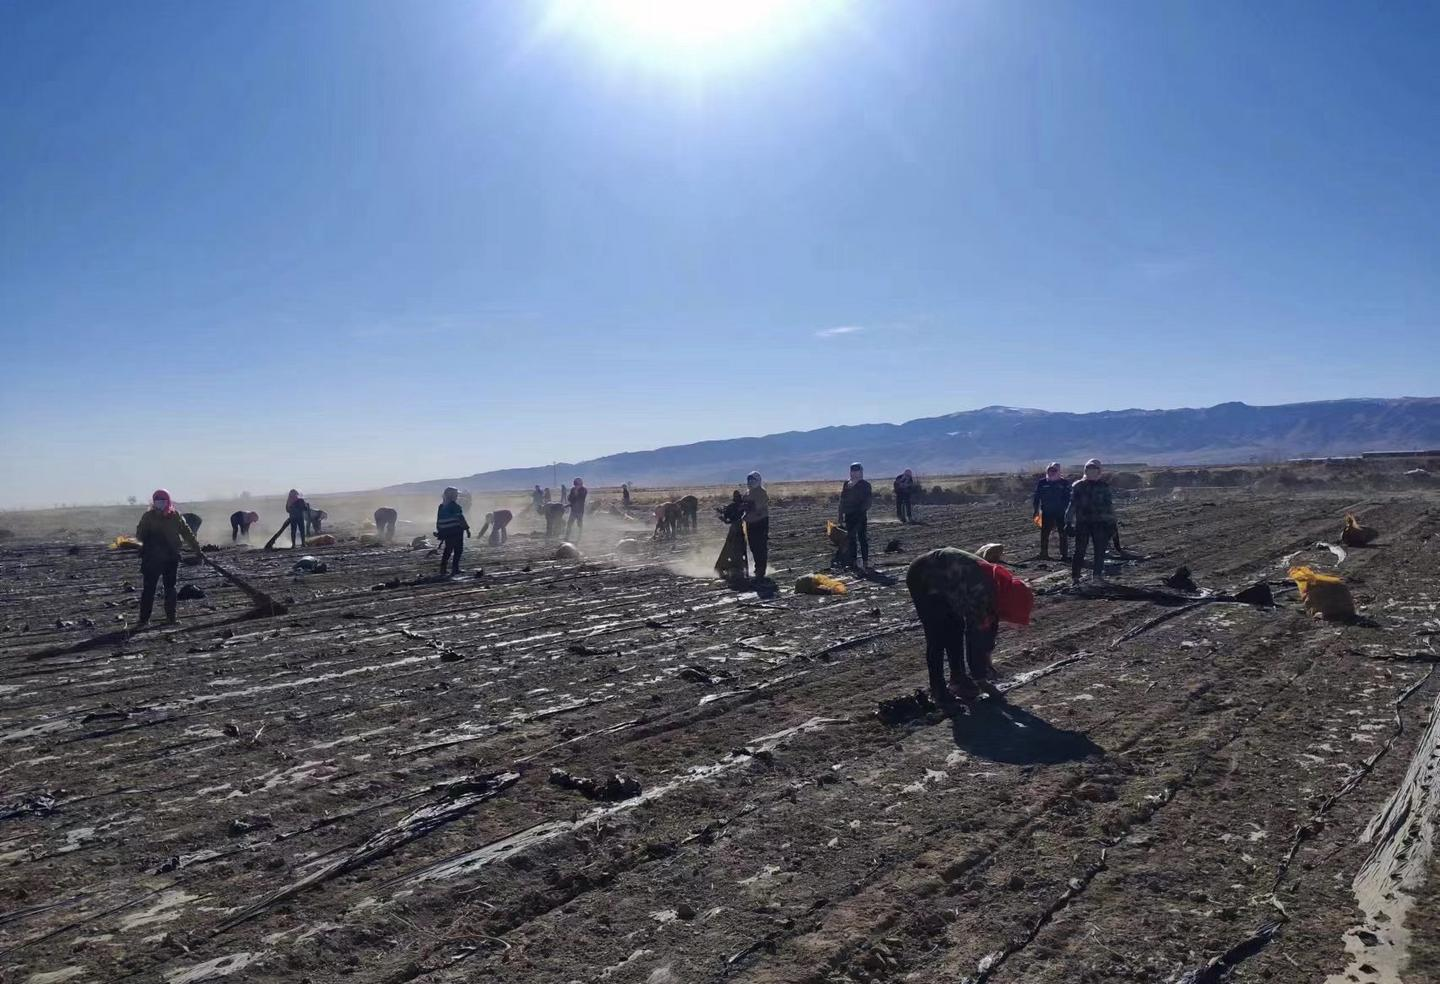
(959, 596)
(575, 498)
(1082, 509)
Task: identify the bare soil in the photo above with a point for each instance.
(361, 790)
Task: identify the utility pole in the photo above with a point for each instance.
(555, 474)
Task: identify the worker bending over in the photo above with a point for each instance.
(240, 523)
(961, 601)
(498, 523)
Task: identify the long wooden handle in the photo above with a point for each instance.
(270, 543)
(262, 600)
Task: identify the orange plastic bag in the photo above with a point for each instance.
(820, 584)
(1325, 595)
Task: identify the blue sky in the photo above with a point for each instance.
(341, 244)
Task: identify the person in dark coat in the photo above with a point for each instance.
(240, 523)
(756, 508)
(1049, 503)
(578, 494)
(904, 496)
(554, 515)
(385, 518)
(855, 497)
(730, 565)
(498, 523)
(316, 519)
(1092, 515)
(161, 531)
(451, 529)
(961, 600)
(299, 512)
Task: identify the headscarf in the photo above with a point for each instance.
(856, 466)
(291, 499)
(169, 509)
(753, 478)
(1014, 599)
(1093, 463)
(450, 494)
(577, 483)
(252, 517)
(909, 473)
(1053, 471)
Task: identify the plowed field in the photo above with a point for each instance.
(361, 790)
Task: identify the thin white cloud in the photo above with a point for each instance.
(837, 332)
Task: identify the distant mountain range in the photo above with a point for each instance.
(1002, 438)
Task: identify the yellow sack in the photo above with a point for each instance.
(1355, 535)
(323, 540)
(370, 539)
(1325, 595)
(820, 584)
(125, 543)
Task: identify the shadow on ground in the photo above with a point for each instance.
(999, 731)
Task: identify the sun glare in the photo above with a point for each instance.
(687, 29)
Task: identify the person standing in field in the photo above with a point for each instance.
(578, 494)
(625, 496)
(961, 600)
(299, 512)
(537, 500)
(451, 529)
(160, 532)
(1050, 503)
(855, 496)
(1092, 516)
(755, 507)
(904, 495)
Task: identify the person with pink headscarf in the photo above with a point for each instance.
(161, 532)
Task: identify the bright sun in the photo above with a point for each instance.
(688, 28)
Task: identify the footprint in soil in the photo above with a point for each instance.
(1002, 732)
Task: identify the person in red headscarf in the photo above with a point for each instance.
(961, 600)
(161, 532)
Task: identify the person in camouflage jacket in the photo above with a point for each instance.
(1092, 516)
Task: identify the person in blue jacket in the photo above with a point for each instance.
(1051, 500)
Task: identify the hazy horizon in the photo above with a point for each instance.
(354, 243)
(318, 491)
